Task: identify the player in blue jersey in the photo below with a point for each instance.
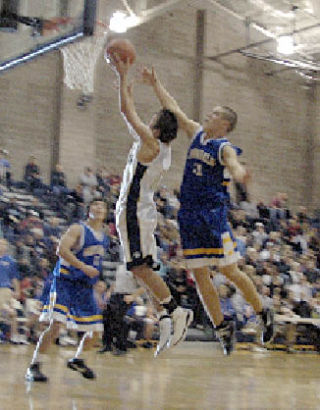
(71, 299)
(206, 236)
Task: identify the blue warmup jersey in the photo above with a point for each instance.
(205, 180)
(90, 251)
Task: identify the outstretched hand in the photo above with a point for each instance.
(117, 64)
(149, 77)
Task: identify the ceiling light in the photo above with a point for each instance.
(285, 45)
(118, 22)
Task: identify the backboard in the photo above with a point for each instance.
(29, 28)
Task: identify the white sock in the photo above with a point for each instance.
(36, 352)
(38, 357)
(81, 344)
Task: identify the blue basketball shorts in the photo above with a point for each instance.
(207, 238)
(72, 302)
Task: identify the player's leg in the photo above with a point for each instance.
(87, 317)
(77, 363)
(249, 291)
(54, 313)
(153, 282)
(136, 232)
(209, 297)
(245, 284)
(164, 324)
(181, 318)
(167, 307)
(46, 339)
(203, 245)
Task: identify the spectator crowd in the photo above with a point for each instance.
(279, 250)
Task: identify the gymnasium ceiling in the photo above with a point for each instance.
(271, 18)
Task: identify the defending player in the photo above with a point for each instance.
(205, 233)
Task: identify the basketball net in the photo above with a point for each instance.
(79, 60)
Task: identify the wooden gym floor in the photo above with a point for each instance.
(195, 375)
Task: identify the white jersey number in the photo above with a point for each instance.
(197, 169)
(96, 261)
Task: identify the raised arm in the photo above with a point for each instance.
(127, 105)
(167, 101)
(230, 160)
(68, 241)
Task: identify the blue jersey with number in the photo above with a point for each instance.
(205, 180)
(90, 250)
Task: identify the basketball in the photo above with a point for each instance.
(123, 47)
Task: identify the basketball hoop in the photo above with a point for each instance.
(79, 60)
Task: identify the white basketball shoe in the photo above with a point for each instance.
(182, 319)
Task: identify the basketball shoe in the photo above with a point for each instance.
(182, 319)
(225, 334)
(165, 334)
(34, 374)
(80, 366)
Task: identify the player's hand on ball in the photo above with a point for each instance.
(149, 77)
(90, 271)
(121, 66)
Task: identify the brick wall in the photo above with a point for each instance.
(315, 151)
(29, 107)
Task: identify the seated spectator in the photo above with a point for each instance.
(9, 289)
(33, 307)
(5, 168)
(30, 222)
(24, 267)
(103, 181)
(259, 234)
(58, 181)
(52, 228)
(89, 183)
(141, 320)
(36, 207)
(43, 268)
(29, 251)
(241, 238)
(75, 210)
(114, 179)
(32, 175)
(310, 271)
(11, 214)
(264, 211)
